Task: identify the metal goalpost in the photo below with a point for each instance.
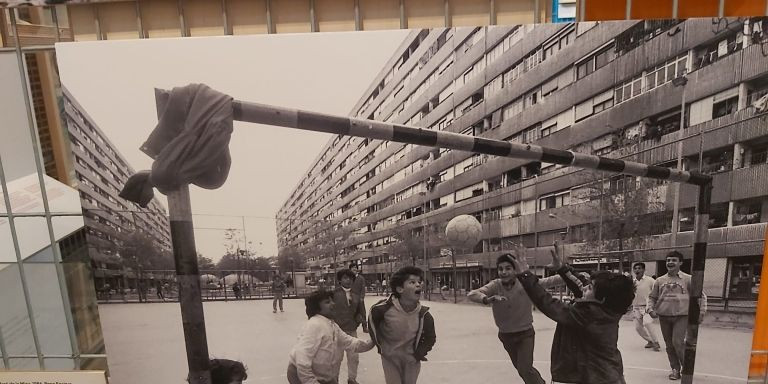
(183, 235)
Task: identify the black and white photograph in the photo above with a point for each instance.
(535, 203)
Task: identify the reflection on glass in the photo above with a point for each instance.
(16, 146)
(14, 320)
(82, 295)
(32, 233)
(50, 316)
(24, 364)
(44, 256)
(59, 364)
(7, 253)
(66, 225)
(94, 364)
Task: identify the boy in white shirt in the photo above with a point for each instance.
(316, 357)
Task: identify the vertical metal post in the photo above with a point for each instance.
(492, 17)
(4, 352)
(701, 235)
(139, 22)
(447, 6)
(182, 19)
(225, 18)
(270, 23)
(424, 243)
(19, 259)
(721, 8)
(188, 276)
(675, 6)
(536, 12)
(55, 19)
(97, 22)
(358, 24)
(628, 10)
(455, 274)
(312, 17)
(676, 203)
(600, 223)
(403, 21)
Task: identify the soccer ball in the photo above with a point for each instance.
(463, 231)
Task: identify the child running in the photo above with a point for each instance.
(403, 329)
(316, 357)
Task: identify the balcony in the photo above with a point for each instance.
(35, 34)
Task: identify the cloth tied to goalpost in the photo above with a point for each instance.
(189, 145)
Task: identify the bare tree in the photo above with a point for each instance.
(629, 208)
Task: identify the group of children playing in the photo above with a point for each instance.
(584, 349)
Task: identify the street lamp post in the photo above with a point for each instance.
(293, 277)
(424, 240)
(679, 82)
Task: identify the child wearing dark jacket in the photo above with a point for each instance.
(584, 349)
(403, 329)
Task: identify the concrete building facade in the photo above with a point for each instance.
(101, 171)
(614, 89)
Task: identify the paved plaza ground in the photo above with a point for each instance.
(145, 344)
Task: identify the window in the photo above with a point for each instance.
(494, 86)
(725, 107)
(549, 127)
(532, 98)
(596, 61)
(664, 73)
(530, 134)
(512, 109)
(628, 90)
(469, 192)
(495, 53)
(554, 200)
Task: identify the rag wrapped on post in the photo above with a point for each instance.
(190, 144)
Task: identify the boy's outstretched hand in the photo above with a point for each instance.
(520, 261)
(558, 257)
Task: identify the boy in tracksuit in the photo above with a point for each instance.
(512, 312)
(403, 329)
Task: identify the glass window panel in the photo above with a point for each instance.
(50, 316)
(59, 364)
(44, 256)
(32, 233)
(24, 364)
(14, 320)
(16, 146)
(636, 87)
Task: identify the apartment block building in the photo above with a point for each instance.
(101, 171)
(615, 89)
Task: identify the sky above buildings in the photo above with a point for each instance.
(114, 82)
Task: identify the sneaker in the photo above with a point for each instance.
(675, 375)
(649, 345)
(656, 347)
(274, 311)
(282, 310)
(352, 381)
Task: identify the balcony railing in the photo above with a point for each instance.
(35, 34)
